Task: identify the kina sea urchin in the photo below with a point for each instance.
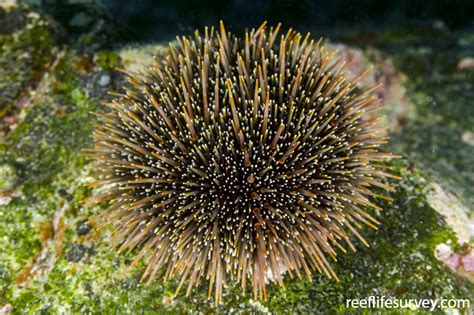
(240, 158)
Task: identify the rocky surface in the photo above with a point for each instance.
(54, 261)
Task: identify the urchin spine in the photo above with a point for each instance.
(239, 158)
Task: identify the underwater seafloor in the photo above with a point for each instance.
(52, 261)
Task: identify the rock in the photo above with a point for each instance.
(466, 63)
(460, 219)
(82, 228)
(391, 92)
(444, 253)
(26, 47)
(8, 182)
(440, 25)
(8, 177)
(79, 252)
(455, 213)
(6, 309)
(5, 199)
(72, 267)
(461, 262)
(467, 261)
(11, 19)
(104, 80)
(81, 20)
(137, 58)
(468, 137)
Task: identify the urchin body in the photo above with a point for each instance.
(240, 158)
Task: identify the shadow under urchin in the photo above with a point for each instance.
(240, 158)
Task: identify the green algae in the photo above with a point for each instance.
(441, 94)
(107, 60)
(45, 153)
(400, 263)
(24, 56)
(8, 177)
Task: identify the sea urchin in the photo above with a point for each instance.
(240, 158)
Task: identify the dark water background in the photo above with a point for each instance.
(160, 20)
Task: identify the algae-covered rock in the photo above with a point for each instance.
(26, 49)
(7, 177)
(55, 261)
